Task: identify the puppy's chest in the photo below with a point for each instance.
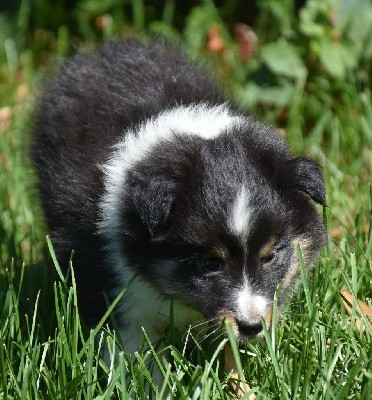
(143, 306)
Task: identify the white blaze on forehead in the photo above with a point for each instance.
(250, 307)
(240, 214)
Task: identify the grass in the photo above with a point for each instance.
(315, 351)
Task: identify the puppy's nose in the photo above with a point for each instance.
(249, 330)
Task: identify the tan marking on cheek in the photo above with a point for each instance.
(292, 272)
(228, 317)
(267, 248)
(304, 243)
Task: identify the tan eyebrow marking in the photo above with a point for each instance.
(267, 248)
(221, 253)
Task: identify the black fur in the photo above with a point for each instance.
(176, 205)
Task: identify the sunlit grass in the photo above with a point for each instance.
(315, 351)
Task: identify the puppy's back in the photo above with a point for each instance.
(96, 98)
(82, 114)
(120, 84)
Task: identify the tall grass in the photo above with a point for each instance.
(315, 351)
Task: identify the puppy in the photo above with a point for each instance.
(146, 170)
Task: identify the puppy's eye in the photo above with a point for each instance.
(212, 264)
(272, 256)
(269, 258)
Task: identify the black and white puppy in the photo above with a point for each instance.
(145, 169)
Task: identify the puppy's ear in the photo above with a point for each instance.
(152, 191)
(308, 178)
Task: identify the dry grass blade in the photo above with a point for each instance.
(362, 320)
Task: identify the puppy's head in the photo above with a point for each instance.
(215, 222)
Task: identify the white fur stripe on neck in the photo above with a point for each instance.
(200, 120)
